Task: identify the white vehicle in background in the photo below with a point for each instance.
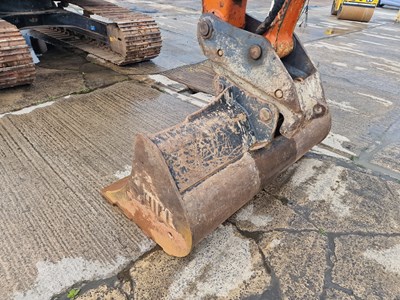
(395, 3)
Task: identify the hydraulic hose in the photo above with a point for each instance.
(264, 26)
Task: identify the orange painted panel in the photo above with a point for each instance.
(231, 11)
(281, 31)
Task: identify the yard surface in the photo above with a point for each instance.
(327, 228)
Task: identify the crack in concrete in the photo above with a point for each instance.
(382, 171)
(116, 281)
(366, 156)
(343, 34)
(335, 151)
(296, 209)
(364, 234)
(330, 250)
(391, 192)
(363, 167)
(85, 286)
(274, 290)
(328, 276)
(334, 233)
(253, 235)
(256, 235)
(57, 69)
(88, 89)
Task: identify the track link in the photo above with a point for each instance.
(16, 64)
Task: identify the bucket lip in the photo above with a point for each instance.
(151, 199)
(176, 242)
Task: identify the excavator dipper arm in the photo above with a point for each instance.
(278, 27)
(269, 111)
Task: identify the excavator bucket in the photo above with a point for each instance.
(188, 179)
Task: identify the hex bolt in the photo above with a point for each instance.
(255, 52)
(265, 115)
(220, 52)
(278, 94)
(205, 28)
(220, 87)
(318, 109)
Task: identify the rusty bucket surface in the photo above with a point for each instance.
(188, 179)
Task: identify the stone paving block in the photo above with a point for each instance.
(388, 157)
(266, 212)
(368, 265)
(333, 294)
(297, 262)
(339, 197)
(104, 293)
(225, 265)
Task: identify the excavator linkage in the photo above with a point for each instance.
(268, 112)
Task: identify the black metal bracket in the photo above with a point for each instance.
(57, 17)
(262, 118)
(290, 86)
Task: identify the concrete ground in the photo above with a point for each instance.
(327, 228)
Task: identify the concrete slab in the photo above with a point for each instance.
(267, 213)
(57, 228)
(226, 265)
(68, 70)
(338, 197)
(388, 157)
(42, 90)
(372, 271)
(297, 264)
(360, 83)
(198, 77)
(296, 236)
